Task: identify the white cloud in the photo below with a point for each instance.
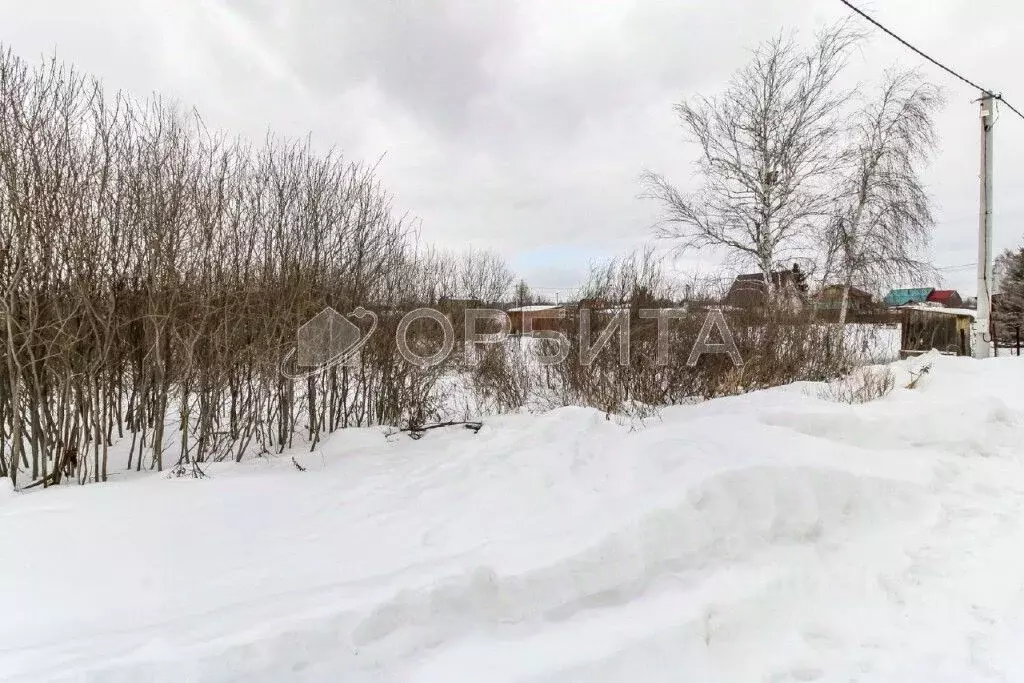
(523, 126)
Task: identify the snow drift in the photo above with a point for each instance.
(775, 536)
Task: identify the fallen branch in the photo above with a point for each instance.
(51, 479)
(186, 469)
(916, 376)
(417, 431)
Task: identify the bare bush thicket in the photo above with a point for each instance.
(775, 351)
(154, 274)
(434, 275)
(777, 348)
(504, 379)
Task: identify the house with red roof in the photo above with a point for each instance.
(949, 298)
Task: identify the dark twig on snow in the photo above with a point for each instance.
(916, 376)
(188, 469)
(299, 467)
(417, 431)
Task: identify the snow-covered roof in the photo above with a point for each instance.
(941, 310)
(532, 309)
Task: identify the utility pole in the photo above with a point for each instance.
(982, 324)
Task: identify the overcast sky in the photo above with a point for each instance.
(523, 125)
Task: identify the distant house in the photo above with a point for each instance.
(902, 297)
(749, 290)
(830, 298)
(592, 303)
(949, 298)
(542, 317)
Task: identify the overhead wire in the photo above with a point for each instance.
(936, 62)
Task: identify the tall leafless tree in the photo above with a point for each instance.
(882, 213)
(767, 149)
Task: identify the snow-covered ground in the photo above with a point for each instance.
(776, 536)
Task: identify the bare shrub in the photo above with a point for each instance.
(860, 386)
(777, 347)
(154, 274)
(502, 379)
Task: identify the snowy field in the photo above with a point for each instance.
(772, 537)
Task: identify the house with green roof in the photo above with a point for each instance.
(902, 297)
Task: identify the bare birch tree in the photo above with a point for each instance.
(883, 218)
(767, 148)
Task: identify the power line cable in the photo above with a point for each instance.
(919, 52)
(986, 91)
(1010, 106)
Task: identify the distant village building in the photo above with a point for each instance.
(830, 299)
(750, 289)
(540, 317)
(949, 298)
(904, 297)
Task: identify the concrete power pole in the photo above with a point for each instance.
(982, 324)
